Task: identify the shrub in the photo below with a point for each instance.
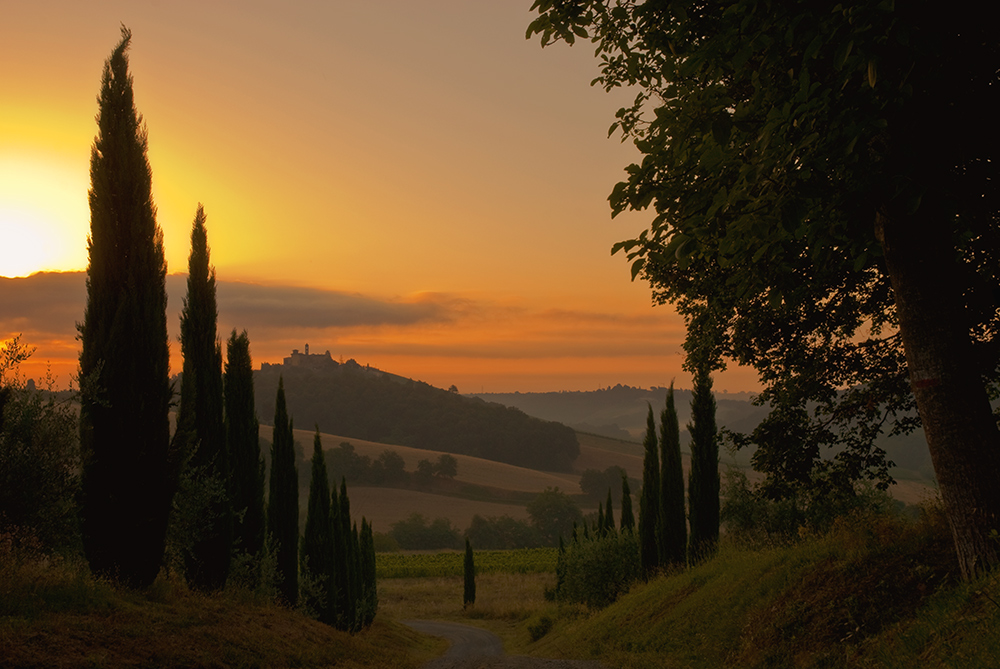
(596, 572)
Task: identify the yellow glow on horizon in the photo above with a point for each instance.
(43, 215)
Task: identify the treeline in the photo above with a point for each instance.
(353, 401)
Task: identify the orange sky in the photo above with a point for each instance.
(410, 184)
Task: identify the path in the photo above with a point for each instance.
(475, 648)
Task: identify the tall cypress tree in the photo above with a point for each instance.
(243, 440)
(469, 570)
(628, 519)
(649, 500)
(609, 515)
(369, 579)
(703, 481)
(341, 572)
(283, 501)
(201, 433)
(350, 564)
(128, 479)
(599, 527)
(317, 540)
(673, 525)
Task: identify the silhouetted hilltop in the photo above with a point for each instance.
(357, 401)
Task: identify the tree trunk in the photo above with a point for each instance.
(951, 396)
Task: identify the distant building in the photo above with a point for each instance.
(312, 360)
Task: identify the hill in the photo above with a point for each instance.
(366, 403)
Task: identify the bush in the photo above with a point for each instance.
(539, 626)
(598, 571)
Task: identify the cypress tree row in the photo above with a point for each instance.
(283, 501)
(628, 519)
(469, 591)
(317, 541)
(243, 441)
(128, 479)
(200, 438)
(649, 501)
(703, 482)
(673, 525)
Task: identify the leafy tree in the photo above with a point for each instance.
(424, 472)
(553, 514)
(127, 479)
(446, 466)
(39, 458)
(243, 441)
(469, 591)
(317, 552)
(703, 479)
(503, 532)
(673, 528)
(283, 501)
(628, 519)
(825, 211)
(649, 500)
(201, 437)
(417, 532)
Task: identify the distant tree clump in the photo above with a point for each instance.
(200, 438)
(553, 514)
(417, 532)
(503, 532)
(283, 502)
(128, 480)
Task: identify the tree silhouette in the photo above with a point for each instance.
(127, 479)
(243, 441)
(673, 521)
(283, 501)
(649, 500)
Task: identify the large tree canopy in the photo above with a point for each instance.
(821, 186)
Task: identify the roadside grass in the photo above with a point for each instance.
(874, 591)
(54, 614)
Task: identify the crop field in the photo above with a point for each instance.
(422, 565)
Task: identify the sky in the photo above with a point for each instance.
(413, 185)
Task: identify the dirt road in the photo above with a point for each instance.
(475, 648)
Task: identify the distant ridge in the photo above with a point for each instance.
(367, 403)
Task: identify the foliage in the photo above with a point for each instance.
(598, 571)
(553, 514)
(127, 478)
(469, 576)
(39, 458)
(246, 483)
(500, 532)
(703, 479)
(283, 501)
(200, 438)
(451, 563)
(649, 500)
(317, 553)
(823, 196)
(417, 532)
(673, 524)
(628, 518)
(364, 403)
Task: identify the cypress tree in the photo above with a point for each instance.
(628, 519)
(609, 516)
(469, 592)
(201, 433)
(649, 500)
(673, 528)
(358, 575)
(243, 439)
(599, 528)
(369, 579)
(317, 541)
(340, 575)
(703, 481)
(128, 477)
(283, 501)
(349, 565)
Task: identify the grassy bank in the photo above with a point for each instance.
(875, 591)
(54, 614)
